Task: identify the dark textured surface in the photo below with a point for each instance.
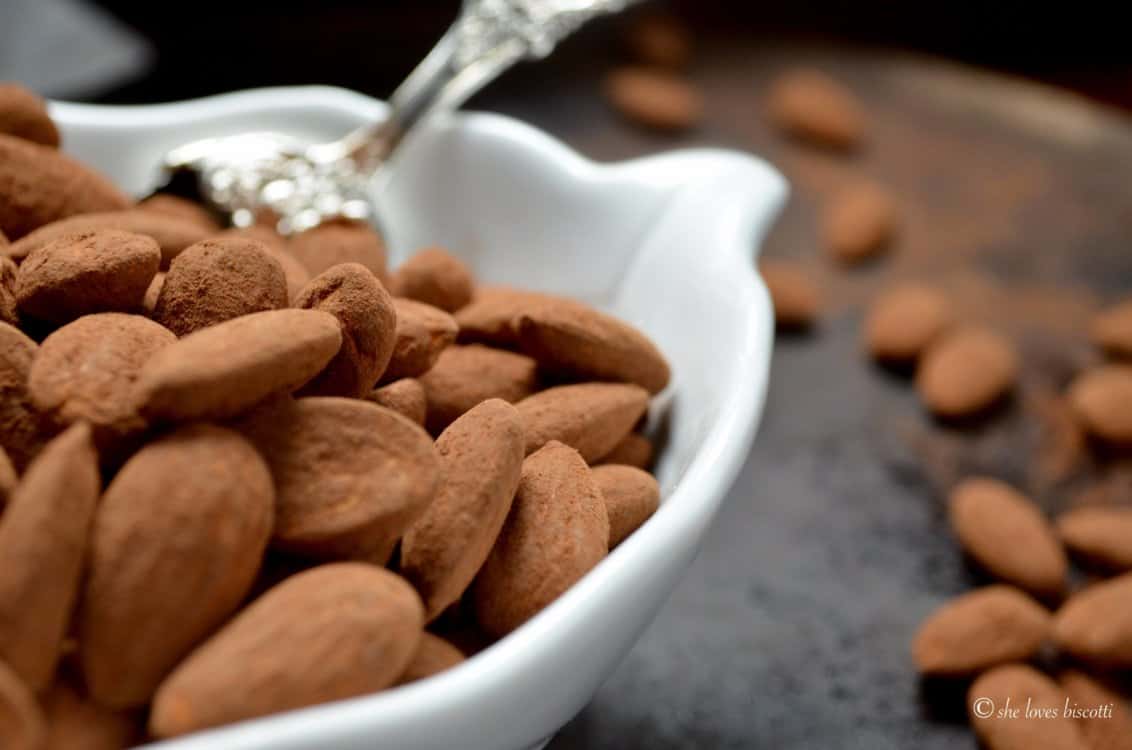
(792, 628)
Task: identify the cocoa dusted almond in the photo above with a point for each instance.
(44, 537)
(1102, 400)
(631, 497)
(592, 418)
(180, 208)
(793, 293)
(9, 310)
(434, 655)
(489, 317)
(974, 632)
(405, 396)
(1111, 329)
(337, 242)
(435, 277)
(152, 293)
(634, 450)
(810, 106)
(22, 726)
(966, 371)
(860, 222)
(1100, 535)
(423, 332)
(351, 293)
(21, 431)
(464, 376)
(295, 273)
(333, 632)
(654, 99)
(1095, 624)
(481, 455)
(90, 272)
(188, 516)
(1008, 535)
(576, 340)
(1023, 688)
(223, 371)
(171, 233)
(23, 114)
(350, 476)
(904, 321)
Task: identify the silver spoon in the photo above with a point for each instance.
(247, 175)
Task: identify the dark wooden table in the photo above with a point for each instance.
(792, 628)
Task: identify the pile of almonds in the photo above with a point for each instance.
(242, 474)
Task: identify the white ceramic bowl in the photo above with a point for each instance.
(665, 242)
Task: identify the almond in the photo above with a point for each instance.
(481, 455)
(351, 293)
(22, 726)
(180, 208)
(966, 371)
(576, 340)
(39, 185)
(1102, 400)
(87, 371)
(218, 280)
(1107, 731)
(8, 478)
(811, 106)
(631, 497)
(350, 476)
(793, 293)
(91, 272)
(152, 293)
(178, 539)
(434, 655)
(333, 632)
(44, 535)
(340, 242)
(489, 317)
(464, 376)
(435, 277)
(1111, 329)
(423, 332)
(971, 633)
(74, 722)
(275, 245)
(1095, 625)
(21, 433)
(172, 234)
(23, 114)
(1020, 688)
(1102, 536)
(9, 310)
(405, 396)
(592, 418)
(634, 450)
(556, 532)
(654, 99)
(860, 222)
(225, 370)
(904, 321)
(1008, 535)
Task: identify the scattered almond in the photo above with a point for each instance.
(631, 497)
(591, 418)
(276, 246)
(423, 332)
(464, 376)
(966, 371)
(1104, 731)
(860, 222)
(9, 310)
(904, 321)
(180, 208)
(21, 433)
(23, 114)
(811, 106)
(434, 655)
(172, 234)
(22, 726)
(405, 396)
(1095, 625)
(793, 293)
(1020, 687)
(338, 242)
(654, 99)
(489, 317)
(634, 450)
(1102, 400)
(435, 277)
(1100, 535)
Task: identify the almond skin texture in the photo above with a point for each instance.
(188, 516)
(74, 722)
(965, 372)
(351, 293)
(634, 450)
(1102, 401)
(812, 107)
(423, 332)
(225, 370)
(591, 418)
(217, 280)
(793, 293)
(1111, 330)
(9, 310)
(654, 99)
(974, 632)
(340, 242)
(172, 234)
(22, 726)
(44, 536)
(489, 317)
(91, 272)
(482, 455)
(860, 222)
(1101, 733)
(578, 341)
(1027, 689)
(21, 433)
(1100, 536)
(23, 114)
(350, 476)
(904, 321)
(557, 532)
(180, 208)
(275, 245)
(333, 632)
(1095, 625)
(405, 396)
(87, 370)
(39, 185)
(1008, 536)
(434, 655)
(464, 376)
(631, 497)
(435, 277)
